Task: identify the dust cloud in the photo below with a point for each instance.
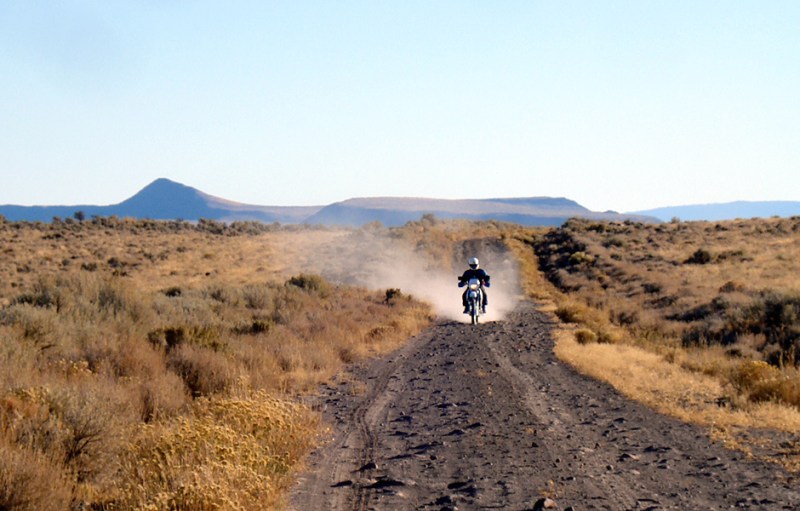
(375, 260)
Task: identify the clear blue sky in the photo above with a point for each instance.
(619, 105)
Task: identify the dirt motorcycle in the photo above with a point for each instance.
(474, 300)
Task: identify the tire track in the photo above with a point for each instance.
(535, 391)
(347, 459)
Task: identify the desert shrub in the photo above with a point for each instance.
(700, 256)
(101, 352)
(29, 481)
(578, 258)
(90, 266)
(393, 295)
(573, 311)
(112, 297)
(763, 382)
(173, 291)
(261, 367)
(34, 325)
(205, 335)
(585, 336)
(44, 294)
(610, 335)
(74, 427)
(211, 226)
(753, 373)
(204, 372)
(781, 317)
(251, 228)
(782, 390)
(732, 286)
(87, 422)
(255, 326)
(257, 296)
(663, 302)
(570, 312)
(775, 316)
(115, 262)
(17, 361)
(652, 287)
(161, 396)
(220, 294)
(313, 283)
(625, 317)
(732, 255)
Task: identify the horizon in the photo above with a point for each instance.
(487, 199)
(619, 105)
(189, 185)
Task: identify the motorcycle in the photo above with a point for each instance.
(474, 300)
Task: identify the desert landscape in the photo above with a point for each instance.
(175, 365)
(231, 237)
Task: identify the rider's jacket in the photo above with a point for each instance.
(474, 274)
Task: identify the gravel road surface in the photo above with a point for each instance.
(487, 417)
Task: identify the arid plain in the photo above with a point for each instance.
(166, 365)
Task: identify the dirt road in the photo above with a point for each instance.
(487, 418)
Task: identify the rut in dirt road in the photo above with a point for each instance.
(486, 417)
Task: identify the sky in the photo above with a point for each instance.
(618, 105)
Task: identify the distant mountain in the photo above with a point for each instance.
(394, 211)
(725, 211)
(167, 200)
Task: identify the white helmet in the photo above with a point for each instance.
(473, 263)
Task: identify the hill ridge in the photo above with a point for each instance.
(164, 199)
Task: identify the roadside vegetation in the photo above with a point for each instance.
(700, 320)
(162, 365)
(157, 365)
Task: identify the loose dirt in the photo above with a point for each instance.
(487, 417)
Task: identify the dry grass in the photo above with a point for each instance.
(154, 365)
(698, 320)
(228, 453)
(688, 395)
(685, 285)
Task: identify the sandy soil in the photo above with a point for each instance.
(486, 417)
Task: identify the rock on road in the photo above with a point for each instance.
(487, 417)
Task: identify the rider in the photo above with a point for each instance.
(474, 273)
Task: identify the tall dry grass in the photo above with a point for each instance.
(227, 453)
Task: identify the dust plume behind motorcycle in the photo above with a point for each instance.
(377, 261)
